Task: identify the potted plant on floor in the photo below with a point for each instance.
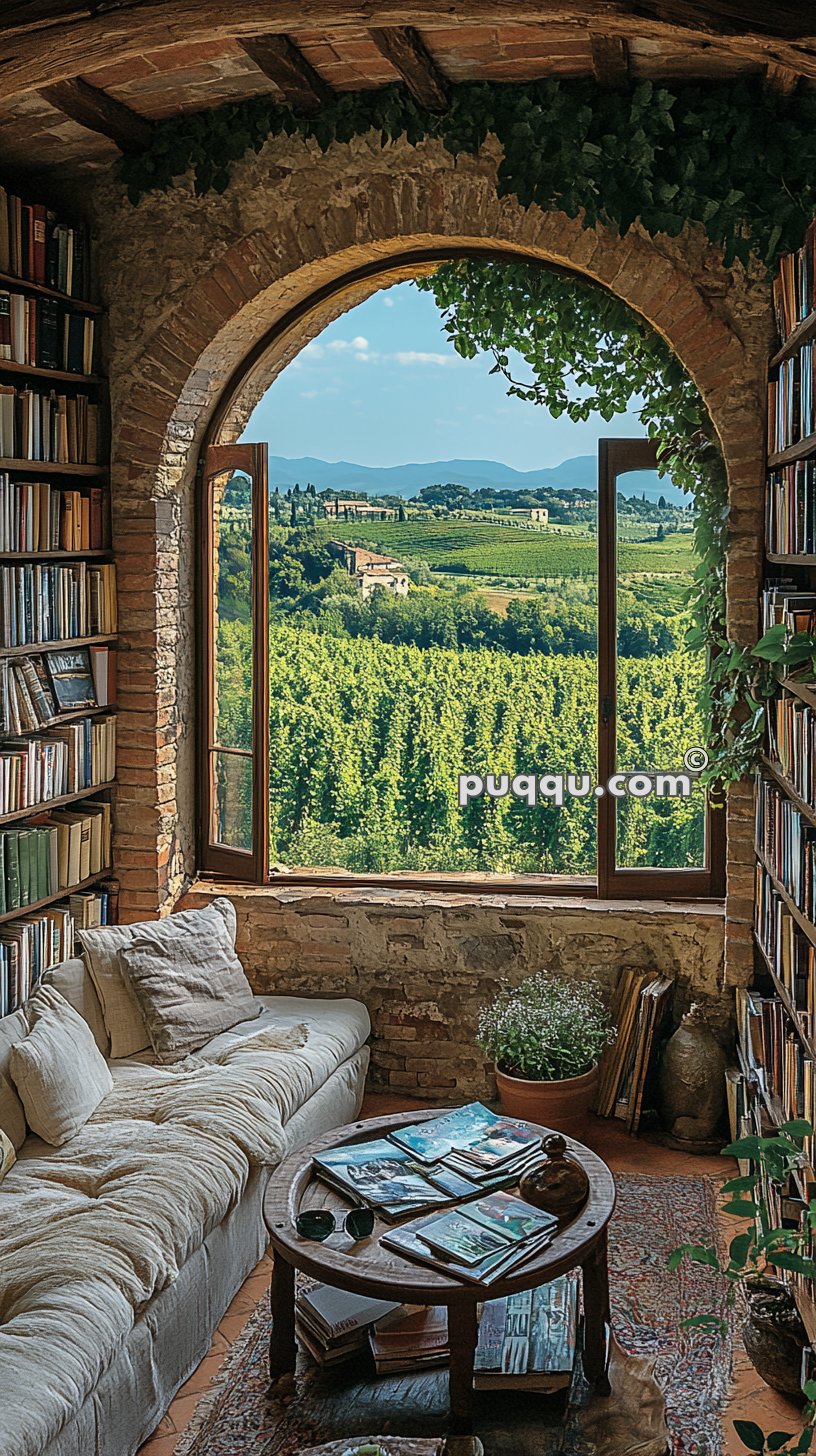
(545, 1037)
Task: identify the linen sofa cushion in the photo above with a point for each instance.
(72, 980)
(12, 1113)
(58, 1070)
(188, 981)
(121, 1010)
(8, 1154)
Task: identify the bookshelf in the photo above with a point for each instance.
(57, 687)
(777, 1020)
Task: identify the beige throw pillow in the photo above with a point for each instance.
(13, 1028)
(58, 1070)
(8, 1154)
(120, 1007)
(188, 980)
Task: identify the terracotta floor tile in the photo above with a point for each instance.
(200, 1380)
(160, 1446)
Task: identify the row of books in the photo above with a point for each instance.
(775, 1057)
(793, 296)
(642, 1005)
(526, 1342)
(785, 604)
(792, 742)
(792, 401)
(787, 843)
(44, 602)
(45, 334)
(72, 758)
(791, 509)
(789, 951)
(38, 516)
(422, 1167)
(35, 245)
(34, 691)
(53, 852)
(32, 944)
(48, 426)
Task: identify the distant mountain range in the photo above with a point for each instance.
(581, 472)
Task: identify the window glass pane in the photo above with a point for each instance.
(231, 726)
(414, 643)
(658, 720)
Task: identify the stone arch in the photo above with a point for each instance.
(388, 212)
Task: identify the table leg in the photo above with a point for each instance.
(463, 1335)
(282, 1347)
(597, 1317)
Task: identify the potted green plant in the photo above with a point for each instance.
(545, 1037)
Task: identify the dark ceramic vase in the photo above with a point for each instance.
(773, 1335)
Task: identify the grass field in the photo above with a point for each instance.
(470, 547)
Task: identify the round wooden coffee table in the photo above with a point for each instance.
(368, 1268)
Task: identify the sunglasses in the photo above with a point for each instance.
(318, 1223)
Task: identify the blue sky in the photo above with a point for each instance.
(382, 386)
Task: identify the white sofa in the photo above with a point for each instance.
(121, 1250)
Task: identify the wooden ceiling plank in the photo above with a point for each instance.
(780, 79)
(303, 88)
(404, 47)
(610, 60)
(99, 112)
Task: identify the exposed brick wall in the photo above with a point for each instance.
(424, 964)
(193, 284)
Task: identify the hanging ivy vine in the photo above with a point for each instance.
(732, 157)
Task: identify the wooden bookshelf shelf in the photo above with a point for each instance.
(774, 770)
(802, 334)
(806, 926)
(796, 560)
(33, 649)
(58, 895)
(14, 284)
(104, 552)
(47, 805)
(799, 451)
(61, 376)
(806, 692)
(63, 718)
(50, 467)
(784, 997)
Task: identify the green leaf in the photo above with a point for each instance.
(750, 1435)
(776, 1439)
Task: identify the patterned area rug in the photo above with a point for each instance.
(241, 1418)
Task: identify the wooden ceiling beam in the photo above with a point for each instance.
(610, 60)
(99, 112)
(279, 59)
(42, 41)
(404, 47)
(780, 79)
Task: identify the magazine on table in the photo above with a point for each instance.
(381, 1175)
(527, 1341)
(506, 1233)
(430, 1142)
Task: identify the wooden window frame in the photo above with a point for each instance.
(615, 457)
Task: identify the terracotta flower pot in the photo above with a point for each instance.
(563, 1106)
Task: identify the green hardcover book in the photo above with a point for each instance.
(12, 870)
(44, 886)
(23, 838)
(3, 904)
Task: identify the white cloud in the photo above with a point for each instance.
(340, 345)
(388, 302)
(419, 356)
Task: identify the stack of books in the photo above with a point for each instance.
(792, 742)
(34, 691)
(641, 1008)
(53, 852)
(773, 1057)
(48, 603)
(429, 1164)
(31, 945)
(333, 1325)
(414, 1337)
(71, 758)
(793, 286)
(47, 426)
(791, 954)
(37, 516)
(791, 509)
(787, 842)
(45, 334)
(783, 604)
(528, 1341)
(37, 246)
(480, 1241)
(791, 401)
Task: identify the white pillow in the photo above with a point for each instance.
(58, 1069)
(120, 1008)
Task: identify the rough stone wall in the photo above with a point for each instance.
(192, 284)
(424, 967)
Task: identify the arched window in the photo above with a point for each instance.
(451, 691)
